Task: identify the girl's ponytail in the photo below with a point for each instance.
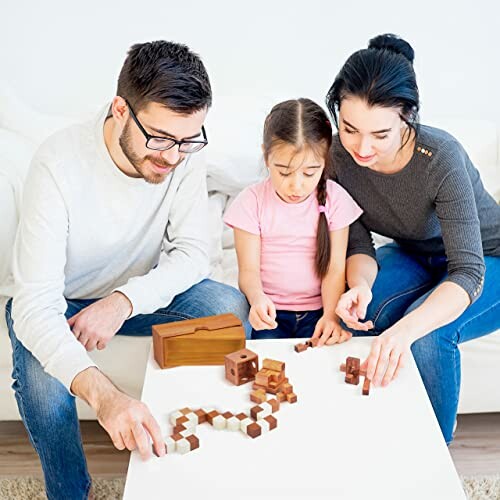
(323, 244)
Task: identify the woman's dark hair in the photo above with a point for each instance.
(167, 73)
(381, 75)
(304, 124)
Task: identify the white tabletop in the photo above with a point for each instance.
(333, 443)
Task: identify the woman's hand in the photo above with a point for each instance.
(389, 353)
(263, 314)
(328, 331)
(352, 306)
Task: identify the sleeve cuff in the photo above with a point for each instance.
(67, 366)
(473, 287)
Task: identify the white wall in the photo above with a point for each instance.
(64, 57)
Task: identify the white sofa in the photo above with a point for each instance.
(233, 161)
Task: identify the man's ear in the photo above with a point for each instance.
(119, 109)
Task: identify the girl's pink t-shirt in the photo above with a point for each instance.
(288, 239)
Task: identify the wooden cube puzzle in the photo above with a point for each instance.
(353, 371)
(241, 366)
(259, 421)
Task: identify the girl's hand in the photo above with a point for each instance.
(352, 306)
(263, 314)
(389, 353)
(328, 331)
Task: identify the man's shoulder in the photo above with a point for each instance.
(65, 148)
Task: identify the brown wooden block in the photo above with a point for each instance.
(202, 416)
(361, 371)
(291, 398)
(201, 341)
(258, 396)
(254, 430)
(241, 416)
(211, 415)
(275, 404)
(272, 364)
(178, 428)
(263, 377)
(186, 410)
(366, 387)
(352, 367)
(314, 342)
(273, 422)
(300, 347)
(287, 388)
(193, 441)
(241, 366)
(255, 410)
(227, 415)
(181, 420)
(281, 397)
(176, 437)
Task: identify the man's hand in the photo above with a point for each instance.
(128, 422)
(96, 325)
(328, 331)
(388, 354)
(263, 314)
(352, 305)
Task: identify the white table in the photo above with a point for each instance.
(333, 443)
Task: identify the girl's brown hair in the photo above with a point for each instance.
(303, 123)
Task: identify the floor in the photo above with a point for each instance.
(476, 449)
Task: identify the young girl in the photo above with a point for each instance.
(291, 230)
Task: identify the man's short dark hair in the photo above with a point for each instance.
(167, 73)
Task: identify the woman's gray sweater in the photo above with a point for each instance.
(436, 204)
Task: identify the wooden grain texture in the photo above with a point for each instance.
(202, 341)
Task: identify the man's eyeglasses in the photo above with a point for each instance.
(164, 143)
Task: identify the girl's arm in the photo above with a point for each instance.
(333, 284)
(262, 311)
(328, 328)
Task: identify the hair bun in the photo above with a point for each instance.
(394, 44)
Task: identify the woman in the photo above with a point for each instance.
(438, 284)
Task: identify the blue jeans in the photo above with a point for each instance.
(403, 282)
(47, 408)
(291, 324)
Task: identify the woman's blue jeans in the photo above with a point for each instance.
(47, 408)
(403, 282)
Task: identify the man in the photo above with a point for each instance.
(112, 239)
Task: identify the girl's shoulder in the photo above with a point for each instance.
(257, 191)
(333, 188)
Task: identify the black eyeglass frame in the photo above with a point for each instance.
(174, 142)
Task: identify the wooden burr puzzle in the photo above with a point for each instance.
(240, 367)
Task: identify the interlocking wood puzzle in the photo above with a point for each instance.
(240, 365)
(352, 373)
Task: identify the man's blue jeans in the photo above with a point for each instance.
(403, 282)
(291, 324)
(49, 411)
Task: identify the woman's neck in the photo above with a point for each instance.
(401, 158)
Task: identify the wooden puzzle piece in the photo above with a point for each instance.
(241, 366)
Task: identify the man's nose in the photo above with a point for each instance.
(172, 155)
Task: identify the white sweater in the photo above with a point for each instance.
(86, 229)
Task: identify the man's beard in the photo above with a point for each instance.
(139, 162)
